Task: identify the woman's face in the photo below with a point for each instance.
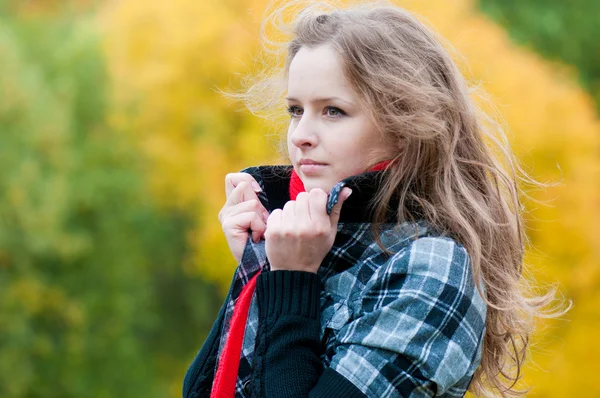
(330, 136)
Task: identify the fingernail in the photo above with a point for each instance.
(349, 193)
(256, 187)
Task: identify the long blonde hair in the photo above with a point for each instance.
(453, 166)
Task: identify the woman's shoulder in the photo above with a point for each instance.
(419, 249)
(441, 257)
(407, 258)
(433, 256)
(431, 267)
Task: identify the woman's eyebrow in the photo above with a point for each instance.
(319, 100)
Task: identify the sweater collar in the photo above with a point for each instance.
(275, 181)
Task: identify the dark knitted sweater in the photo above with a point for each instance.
(289, 340)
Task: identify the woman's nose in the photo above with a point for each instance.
(304, 134)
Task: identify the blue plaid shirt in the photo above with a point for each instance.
(410, 324)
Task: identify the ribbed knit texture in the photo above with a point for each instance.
(289, 327)
(289, 293)
(332, 384)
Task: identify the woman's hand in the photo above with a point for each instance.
(242, 211)
(299, 236)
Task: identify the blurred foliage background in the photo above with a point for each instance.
(114, 144)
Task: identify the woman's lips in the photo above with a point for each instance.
(312, 169)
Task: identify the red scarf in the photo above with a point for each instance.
(227, 372)
(226, 376)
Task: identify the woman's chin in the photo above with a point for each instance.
(312, 183)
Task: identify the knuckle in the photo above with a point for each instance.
(234, 193)
(318, 194)
(303, 233)
(302, 195)
(321, 231)
(233, 177)
(306, 230)
(226, 224)
(272, 232)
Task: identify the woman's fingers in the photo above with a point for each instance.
(299, 236)
(318, 206)
(273, 223)
(237, 226)
(288, 224)
(232, 180)
(241, 193)
(302, 211)
(258, 227)
(252, 205)
(242, 213)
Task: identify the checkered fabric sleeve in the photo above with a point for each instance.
(420, 325)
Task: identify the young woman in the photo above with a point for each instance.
(385, 261)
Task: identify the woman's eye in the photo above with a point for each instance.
(334, 112)
(294, 111)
